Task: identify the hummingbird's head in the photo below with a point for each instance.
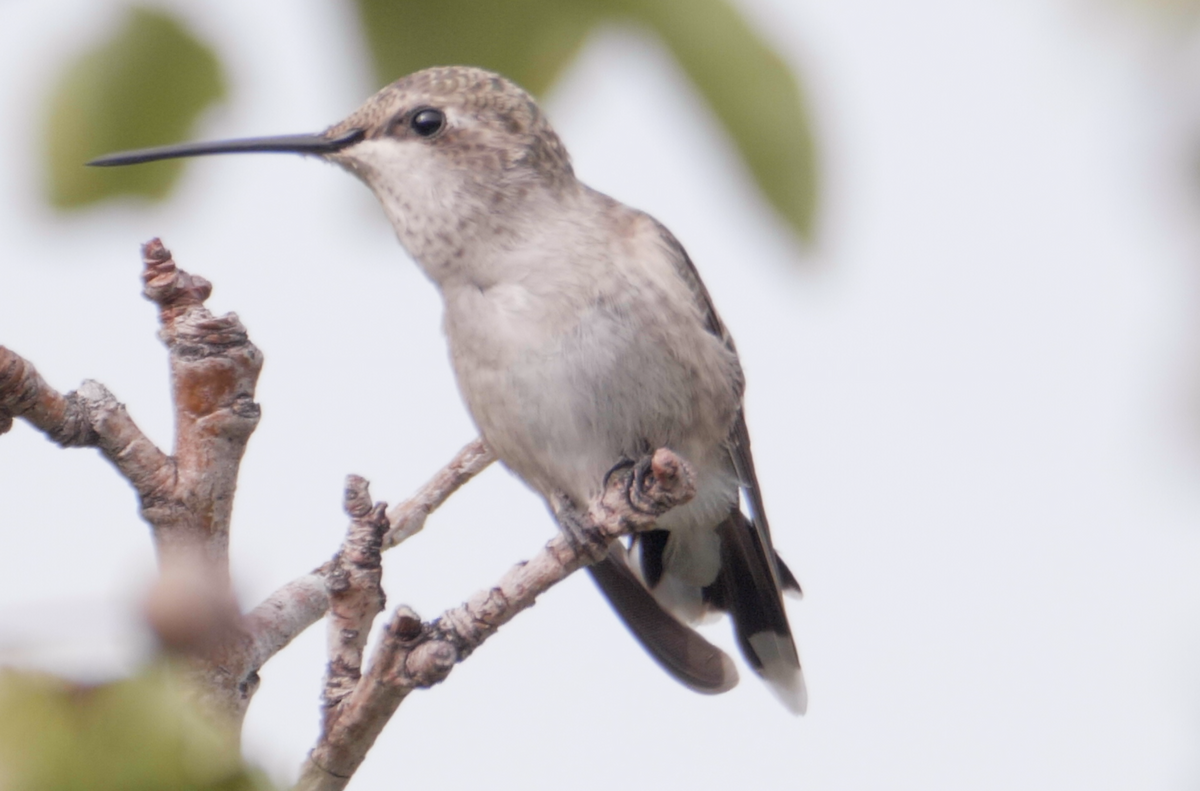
(453, 153)
(448, 151)
(451, 119)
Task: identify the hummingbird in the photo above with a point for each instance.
(582, 338)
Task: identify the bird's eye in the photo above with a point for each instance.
(428, 123)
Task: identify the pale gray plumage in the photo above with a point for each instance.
(581, 337)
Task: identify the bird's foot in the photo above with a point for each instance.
(582, 536)
(644, 481)
(620, 469)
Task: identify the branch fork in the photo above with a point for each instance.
(414, 655)
(187, 499)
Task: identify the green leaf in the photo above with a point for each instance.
(752, 91)
(133, 735)
(528, 41)
(144, 87)
(748, 86)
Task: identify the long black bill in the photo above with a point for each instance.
(291, 144)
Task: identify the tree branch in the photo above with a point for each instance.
(287, 612)
(408, 518)
(355, 590)
(90, 417)
(187, 500)
(214, 370)
(413, 655)
(302, 602)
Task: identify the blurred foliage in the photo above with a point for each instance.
(753, 93)
(148, 83)
(135, 735)
(528, 41)
(747, 85)
(144, 87)
(1170, 5)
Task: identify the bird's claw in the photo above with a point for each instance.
(584, 540)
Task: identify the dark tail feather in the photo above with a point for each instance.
(679, 649)
(786, 578)
(745, 587)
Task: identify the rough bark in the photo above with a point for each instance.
(186, 497)
(187, 500)
(302, 602)
(413, 655)
(408, 518)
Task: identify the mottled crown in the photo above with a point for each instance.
(510, 129)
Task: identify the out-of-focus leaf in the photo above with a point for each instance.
(134, 735)
(748, 86)
(1169, 5)
(528, 41)
(753, 93)
(144, 87)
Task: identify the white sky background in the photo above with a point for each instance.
(974, 407)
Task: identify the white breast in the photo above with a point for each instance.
(584, 347)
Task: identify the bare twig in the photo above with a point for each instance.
(287, 612)
(408, 517)
(302, 602)
(413, 654)
(214, 369)
(186, 498)
(90, 417)
(355, 591)
(23, 393)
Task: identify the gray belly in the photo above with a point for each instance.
(562, 408)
